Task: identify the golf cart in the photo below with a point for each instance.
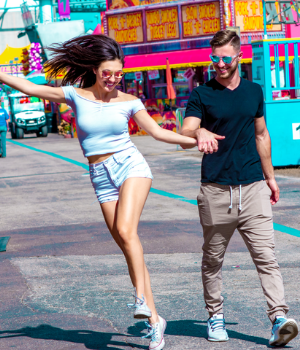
(27, 116)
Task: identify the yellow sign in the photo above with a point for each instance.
(249, 16)
(120, 4)
(200, 19)
(126, 28)
(162, 24)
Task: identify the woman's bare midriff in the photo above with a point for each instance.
(98, 158)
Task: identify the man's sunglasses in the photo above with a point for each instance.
(225, 59)
(106, 74)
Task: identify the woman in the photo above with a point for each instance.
(117, 168)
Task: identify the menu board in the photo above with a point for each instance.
(120, 4)
(126, 28)
(162, 24)
(249, 16)
(200, 19)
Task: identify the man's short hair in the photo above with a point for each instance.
(224, 37)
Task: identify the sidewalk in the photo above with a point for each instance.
(64, 283)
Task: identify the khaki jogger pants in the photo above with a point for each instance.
(251, 215)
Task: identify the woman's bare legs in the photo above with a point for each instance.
(122, 218)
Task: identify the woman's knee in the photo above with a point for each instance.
(127, 234)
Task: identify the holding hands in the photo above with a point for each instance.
(208, 141)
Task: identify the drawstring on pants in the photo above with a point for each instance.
(240, 197)
(230, 207)
(240, 202)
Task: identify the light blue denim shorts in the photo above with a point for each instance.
(108, 176)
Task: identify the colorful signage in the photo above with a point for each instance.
(126, 28)
(200, 19)
(189, 73)
(153, 74)
(138, 75)
(12, 68)
(162, 24)
(120, 4)
(249, 17)
(64, 9)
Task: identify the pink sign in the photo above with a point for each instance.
(64, 9)
(138, 75)
(189, 73)
(11, 69)
(153, 74)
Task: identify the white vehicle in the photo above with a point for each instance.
(27, 116)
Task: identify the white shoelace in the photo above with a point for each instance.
(152, 331)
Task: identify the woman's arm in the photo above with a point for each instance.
(50, 93)
(144, 120)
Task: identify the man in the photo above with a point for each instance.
(3, 129)
(238, 184)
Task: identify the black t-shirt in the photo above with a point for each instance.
(229, 113)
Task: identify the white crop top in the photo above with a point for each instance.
(101, 127)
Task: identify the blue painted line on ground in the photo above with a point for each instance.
(289, 230)
(282, 228)
(84, 166)
(173, 196)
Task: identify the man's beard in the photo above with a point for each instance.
(230, 71)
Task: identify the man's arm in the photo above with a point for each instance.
(263, 145)
(207, 141)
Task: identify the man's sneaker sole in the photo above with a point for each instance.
(287, 332)
(218, 340)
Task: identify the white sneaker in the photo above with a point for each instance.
(156, 332)
(141, 308)
(283, 331)
(216, 330)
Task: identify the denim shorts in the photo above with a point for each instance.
(108, 176)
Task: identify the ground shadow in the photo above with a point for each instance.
(197, 329)
(91, 340)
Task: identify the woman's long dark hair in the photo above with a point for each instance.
(76, 58)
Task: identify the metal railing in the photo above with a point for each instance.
(286, 56)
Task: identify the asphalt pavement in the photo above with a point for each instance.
(64, 282)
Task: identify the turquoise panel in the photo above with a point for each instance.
(91, 19)
(280, 117)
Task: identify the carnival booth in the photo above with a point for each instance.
(150, 32)
(276, 68)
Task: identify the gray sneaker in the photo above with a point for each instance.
(216, 330)
(283, 331)
(141, 308)
(156, 332)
